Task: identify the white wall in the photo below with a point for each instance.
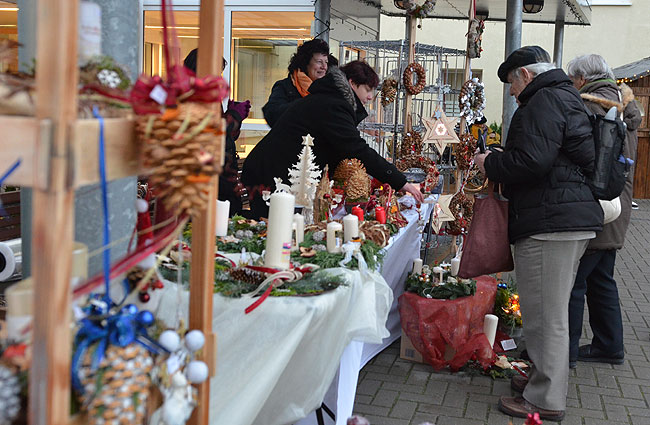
(621, 34)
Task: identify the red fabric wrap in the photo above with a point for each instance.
(432, 324)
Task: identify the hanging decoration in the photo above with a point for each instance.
(471, 100)
(416, 10)
(474, 38)
(464, 151)
(388, 91)
(462, 208)
(304, 176)
(440, 130)
(411, 144)
(420, 75)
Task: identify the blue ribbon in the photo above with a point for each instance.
(2, 180)
(120, 329)
(102, 182)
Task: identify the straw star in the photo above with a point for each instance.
(308, 140)
(440, 130)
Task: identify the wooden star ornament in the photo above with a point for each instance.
(442, 212)
(440, 130)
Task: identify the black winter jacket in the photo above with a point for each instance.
(548, 150)
(282, 95)
(330, 114)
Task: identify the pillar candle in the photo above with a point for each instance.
(223, 210)
(278, 234)
(455, 266)
(490, 327)
(417, 266)
(299, 228)
(333, 241)
(350, 227)
(439, 270)
(380, 215)
(358, 212)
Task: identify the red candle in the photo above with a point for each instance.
(358, 212)
(380, 214)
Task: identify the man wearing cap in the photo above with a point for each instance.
(552, 216)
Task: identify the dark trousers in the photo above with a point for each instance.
(595, 279)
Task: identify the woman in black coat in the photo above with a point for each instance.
(330, 114)
(307, 65)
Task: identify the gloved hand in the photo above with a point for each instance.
(242, 108)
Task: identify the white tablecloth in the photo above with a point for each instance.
(404, 247)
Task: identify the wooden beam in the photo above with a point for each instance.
(25, 138)
(53, 218)
(203, 226)
(122, 150)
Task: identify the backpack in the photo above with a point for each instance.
(611, 167)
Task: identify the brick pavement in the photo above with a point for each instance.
(393, 391)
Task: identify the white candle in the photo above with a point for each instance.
(333, 240)
(299, 229)
(455, 266)
(490, 327)
(278, 234)
(350, 227)
(221, 226)
(439, 270)
(19, 308)
(417, 266)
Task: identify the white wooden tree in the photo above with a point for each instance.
(304, 177)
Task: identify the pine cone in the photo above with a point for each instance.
(358, 186)
(117, 392)
(346, 168)
(181, 148)
(246, 275)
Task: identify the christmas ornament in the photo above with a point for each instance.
(474, 38)
(196, 371)
(420, 81)
(462, 207)
(464, 151)
(194, 340)
(388, 91)
(346, 168)
(9, 395)
(471, 100)
(304, 177)
(182, 149)
(357, 187)
(325, 198)
(440, 130)
(411, 144)
(169, 340)
(134, 278)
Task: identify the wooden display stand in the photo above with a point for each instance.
(59, 153)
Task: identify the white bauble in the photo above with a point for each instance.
(141, 205)
(196, 371)
(194, 340)
(169, 340)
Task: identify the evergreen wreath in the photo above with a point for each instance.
(388, 91)
(471, 100)
(420, 74)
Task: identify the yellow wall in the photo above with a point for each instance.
(621, 34)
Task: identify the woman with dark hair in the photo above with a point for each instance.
(307, 65)
(330, 114)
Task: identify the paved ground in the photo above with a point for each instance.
(392, 391)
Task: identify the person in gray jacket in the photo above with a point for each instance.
(595, 278)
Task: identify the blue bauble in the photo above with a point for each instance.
(145, 318)
(129, 309)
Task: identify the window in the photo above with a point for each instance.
(9, 29)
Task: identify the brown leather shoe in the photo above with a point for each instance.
(518, 382)
(520, 408)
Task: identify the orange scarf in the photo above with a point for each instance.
(301, 81)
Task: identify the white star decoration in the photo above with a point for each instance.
(442, 212)
(440, 130)
(308, 140)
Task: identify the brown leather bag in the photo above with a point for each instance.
(487, 249)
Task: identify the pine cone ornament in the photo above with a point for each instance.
(346, 168)
(411, 144)
(246, 275)
(9, 395)
(388, 91)
(462, 207)
(117, 392)
(358, 186)
(182, 148)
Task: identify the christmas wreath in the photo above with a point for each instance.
(472, 100)
(419, 11)
(462, 207)
(411, 144)
(421, 78)
(464, 151)
(388, 91)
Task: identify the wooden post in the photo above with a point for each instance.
(53, 219)
(408, 101)
(203, 226)
(466, 73)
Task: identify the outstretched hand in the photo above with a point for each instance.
(413, 190)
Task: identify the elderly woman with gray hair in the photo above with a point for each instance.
(595, 278)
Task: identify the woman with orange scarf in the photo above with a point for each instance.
(307, 65)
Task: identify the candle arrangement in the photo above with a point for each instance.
(437, 282)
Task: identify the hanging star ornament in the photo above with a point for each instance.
(441, 212)
(440, 130)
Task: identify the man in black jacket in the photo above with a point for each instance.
(330, 114)
(552, 216)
